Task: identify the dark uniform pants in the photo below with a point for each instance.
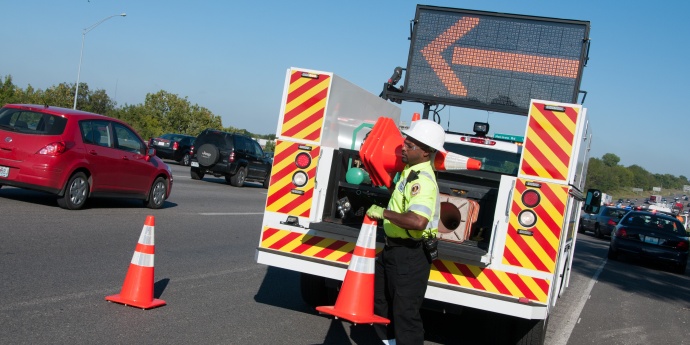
(402, 273)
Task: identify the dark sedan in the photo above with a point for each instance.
(177, 147)
(653, 236)
(602, 220)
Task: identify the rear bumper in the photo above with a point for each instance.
(659, 254)
(218, 168)
(435, 291)
(41, 177)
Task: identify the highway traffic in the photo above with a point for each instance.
(57, 266)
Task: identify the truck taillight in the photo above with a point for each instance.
(300, 177)
(303, 160)
(53, 149)
(231, 157)
(530, 198)
(481, 141)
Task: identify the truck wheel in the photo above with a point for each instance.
(313, 290)
(529, 332)
(76, 192)
(237, 180)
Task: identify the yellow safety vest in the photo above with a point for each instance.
(416, 191)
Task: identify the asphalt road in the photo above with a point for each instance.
(57, 266)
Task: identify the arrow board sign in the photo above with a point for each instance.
(493, 61)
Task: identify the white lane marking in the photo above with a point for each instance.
(80, 296)
(573, 318)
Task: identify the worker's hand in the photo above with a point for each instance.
(375, 212)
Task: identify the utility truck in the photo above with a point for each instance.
(508, 230)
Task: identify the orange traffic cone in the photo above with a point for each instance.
(137, 290)
(355, 302)
(453, 161)
(381, 152)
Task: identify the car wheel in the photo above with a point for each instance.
(681, 268)
(157, 194)
(613, 254)
(237, 180)
(196, 174)
(597, 231)
(207, 154)
(580, 228)
(76, 192)
(186, 159)
(267, 181)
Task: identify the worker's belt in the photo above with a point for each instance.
(401, 242)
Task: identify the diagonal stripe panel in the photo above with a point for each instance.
(442, 271)
(489, 280)
(307, 245)
(549, 141)
(538, 251)
(305, 106)
(283, 196)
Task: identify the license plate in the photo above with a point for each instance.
(651, 240)
(195, 164)
(160, 143)
(4, 171)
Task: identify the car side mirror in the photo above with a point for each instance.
(150, 152)
(593, 200)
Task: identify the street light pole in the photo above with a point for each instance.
(81, 53)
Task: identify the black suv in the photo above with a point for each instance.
(237, 157)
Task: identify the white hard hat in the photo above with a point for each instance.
(427, 132)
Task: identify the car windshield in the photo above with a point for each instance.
(615, 212)
(654, 222)
(31, 122)
(172, 137)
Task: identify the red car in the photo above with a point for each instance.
(77, 155)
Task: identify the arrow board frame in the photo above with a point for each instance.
(493, 61)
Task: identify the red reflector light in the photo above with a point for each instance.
(621, 233)
(481, 141)
(530, 198)
(53, 149)
(303, 160)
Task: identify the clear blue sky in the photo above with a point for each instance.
(231, 57)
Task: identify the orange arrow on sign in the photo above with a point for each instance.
(432, 54)
(487, 59)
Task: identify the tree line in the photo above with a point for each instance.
(163, 112)
(610, 177)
